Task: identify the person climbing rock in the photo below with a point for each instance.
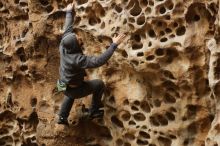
(72, 70)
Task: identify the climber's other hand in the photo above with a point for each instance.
(118, 39)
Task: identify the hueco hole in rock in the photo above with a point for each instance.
(162, 84)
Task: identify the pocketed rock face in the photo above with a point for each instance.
(162, 82)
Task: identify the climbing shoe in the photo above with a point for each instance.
(63, 121)
(98, 113)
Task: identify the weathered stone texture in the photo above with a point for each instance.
(163, 82)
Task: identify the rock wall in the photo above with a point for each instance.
(162, 83)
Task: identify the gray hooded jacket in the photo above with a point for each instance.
(72, 60)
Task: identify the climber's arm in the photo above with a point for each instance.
(69, 19)
(83, 61)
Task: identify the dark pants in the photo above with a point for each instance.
(96, 87)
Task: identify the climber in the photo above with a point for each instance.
(72, 71)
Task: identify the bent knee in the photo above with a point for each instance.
(99, 83)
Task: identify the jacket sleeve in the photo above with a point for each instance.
(83, 61)
(68, 22)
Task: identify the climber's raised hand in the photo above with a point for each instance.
(70, 6)
(118, 39)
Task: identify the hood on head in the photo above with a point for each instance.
(71, 44)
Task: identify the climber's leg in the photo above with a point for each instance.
(87, 87)
(98, 89)
(65, 109)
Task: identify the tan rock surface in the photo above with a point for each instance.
(163, 82)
